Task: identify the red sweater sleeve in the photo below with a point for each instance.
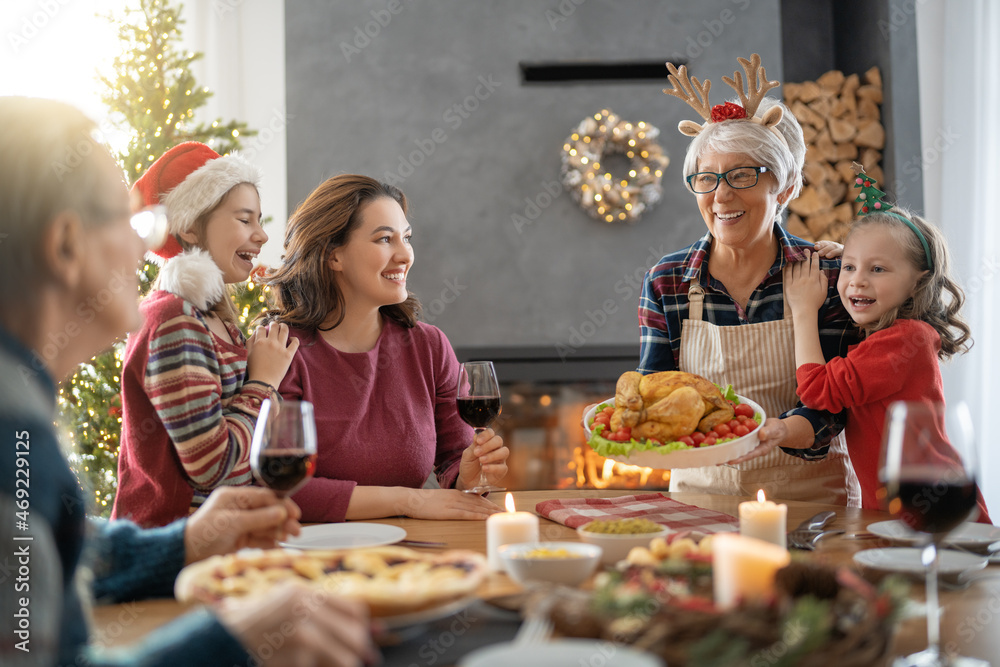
(878, 367)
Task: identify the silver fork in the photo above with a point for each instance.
(809, 542)
(537, 625)
(534, 630)
(810, 531)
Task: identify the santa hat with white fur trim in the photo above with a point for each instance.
(190, 179)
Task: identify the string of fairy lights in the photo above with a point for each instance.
(613, 199)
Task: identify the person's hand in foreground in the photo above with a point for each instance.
(296, 625)
(235, 517)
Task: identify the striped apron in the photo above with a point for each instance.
(759, 361)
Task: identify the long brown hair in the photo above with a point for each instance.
(304, 289)
(929, 302)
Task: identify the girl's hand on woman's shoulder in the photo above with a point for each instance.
(269, 353)
(805, 285)
(829, 249)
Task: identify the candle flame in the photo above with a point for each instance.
(760, 495)
(509, 503)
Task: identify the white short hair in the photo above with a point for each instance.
(760, 143)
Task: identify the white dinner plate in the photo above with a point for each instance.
(696, 457)
(560, 653)
(345, 535)
(907, 560)
(970, 535)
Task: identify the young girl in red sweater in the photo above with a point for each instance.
(192, 386)
(893, 280)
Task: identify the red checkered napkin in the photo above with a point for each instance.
(653, 506)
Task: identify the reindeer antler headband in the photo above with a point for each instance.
(695, 93)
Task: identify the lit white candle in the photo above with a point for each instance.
(508, 527)
(764, 520)
(743, 568)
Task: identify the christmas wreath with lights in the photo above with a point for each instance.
(611, 198)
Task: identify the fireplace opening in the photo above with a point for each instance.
(541, 424)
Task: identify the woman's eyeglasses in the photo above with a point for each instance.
(740, 178)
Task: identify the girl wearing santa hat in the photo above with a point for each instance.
(192, 386)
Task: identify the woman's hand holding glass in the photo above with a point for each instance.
(484, 464)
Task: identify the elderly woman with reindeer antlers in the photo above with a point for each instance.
(716, 308)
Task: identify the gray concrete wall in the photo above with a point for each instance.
(366, 103)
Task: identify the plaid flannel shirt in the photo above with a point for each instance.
(663, 306)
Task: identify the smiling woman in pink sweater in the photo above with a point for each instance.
(383, 384)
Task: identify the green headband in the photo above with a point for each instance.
(871, 202)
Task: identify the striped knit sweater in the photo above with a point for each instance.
(187, 416)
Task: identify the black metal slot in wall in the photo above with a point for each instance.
(594, 72)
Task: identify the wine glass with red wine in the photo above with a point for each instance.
(928, 473)
(478, 406)
(283, 450)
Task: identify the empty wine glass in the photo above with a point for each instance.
(928, 472)
(283, 450)
(478, 406)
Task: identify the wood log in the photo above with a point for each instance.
(842, 130)
(868, 110)
(870, 92)
(850, 87)
(819, 222)
(809, 91)
(846, 171)
(844, 212)
(836, 232)
(796, 227)
(870, 156)
(871, 135)
(813, 172)
(840, 109)
(831, 81)
(841, 124)
(877, 173)
(791, 92)
(845, 151)
(809, 134)
(806, 115)
(829, 173)
(825, 149)
(822, 106)
(873, 76)
(813, 199)
(836, 189)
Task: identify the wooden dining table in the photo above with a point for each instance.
(970, 611)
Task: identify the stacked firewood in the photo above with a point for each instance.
(841, 120)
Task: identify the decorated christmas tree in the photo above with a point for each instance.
(153, 97)
(870, 196)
